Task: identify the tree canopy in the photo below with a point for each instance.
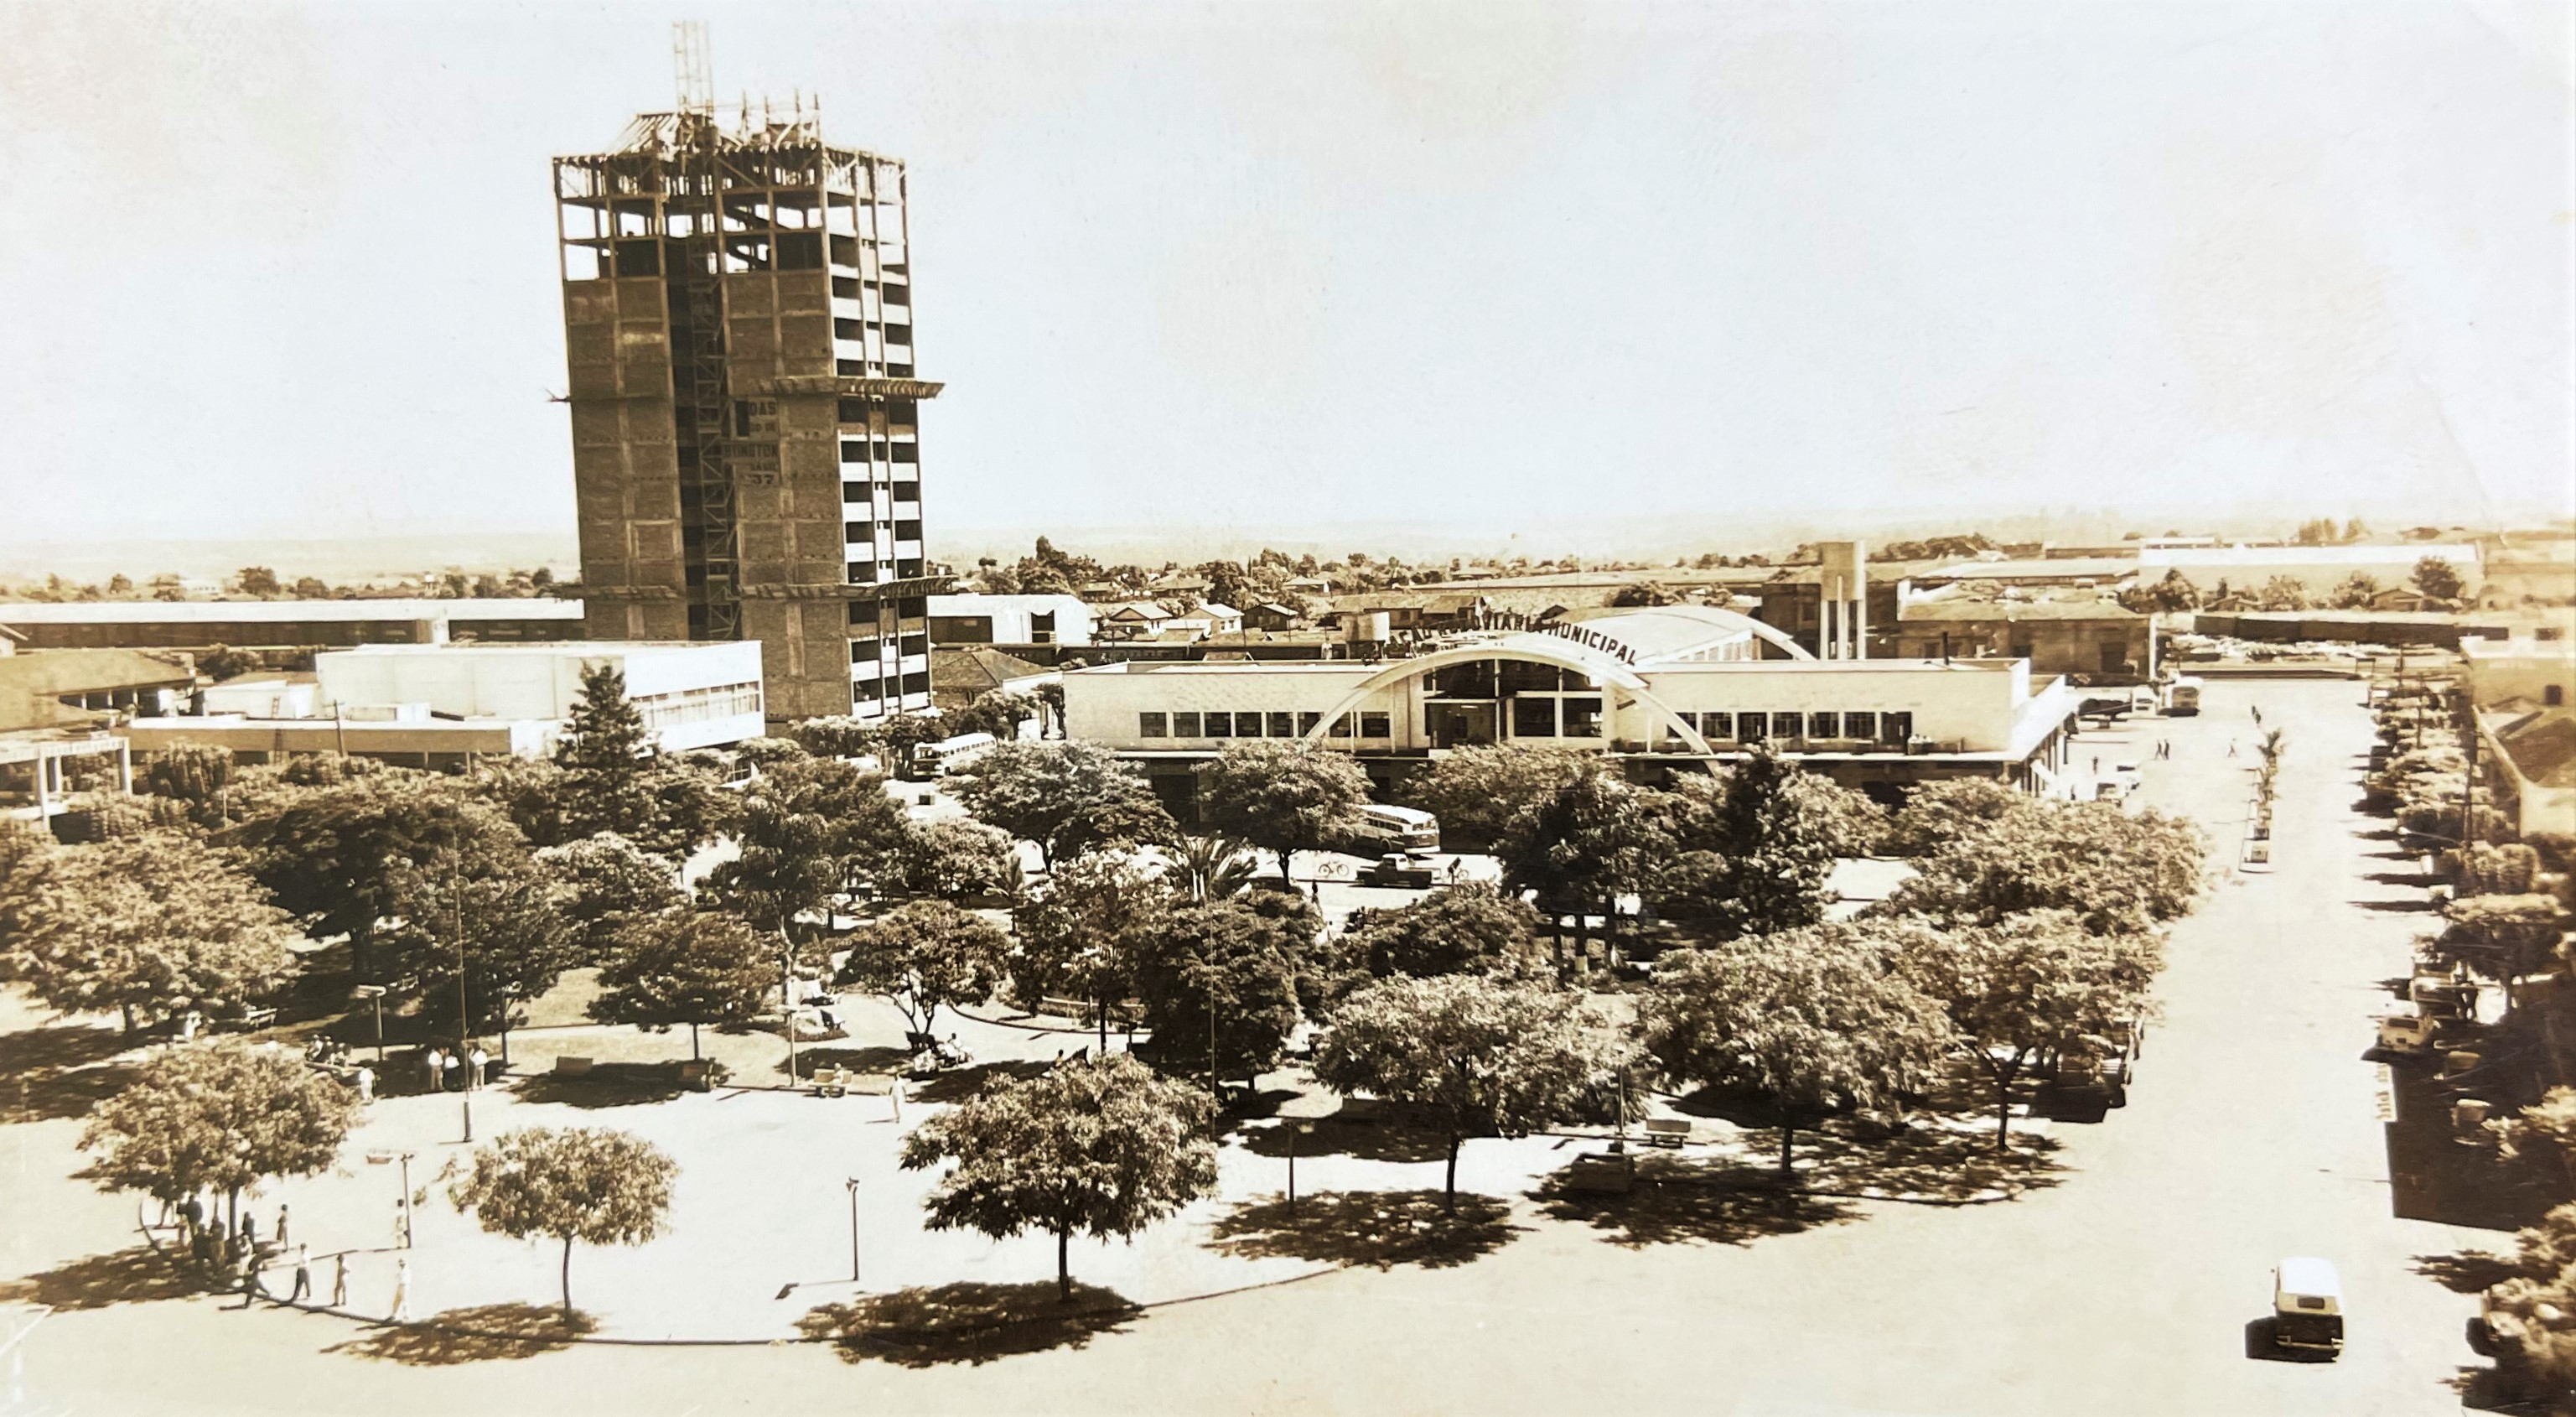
(955, 860)
(1100, 1146)
(218, 1116)
(1475, 791)
(1285, 796)
(1065, 796)
(1219, 984)
(2116, 872)
(687, 966)
(496, 915)
(608, 884)
(812, 834)
(1757, 841)
(1811, 1021)
(150, 927)
(926, 955)
(2033, 983)
(338, 857)
(587, 1184)
(1474, 1055)
(1081, 929)
(1468, 928)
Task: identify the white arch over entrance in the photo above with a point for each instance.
(1540, 649)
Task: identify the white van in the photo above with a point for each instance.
(2307, 1307)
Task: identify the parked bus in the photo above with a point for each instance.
(931, 760)
(1384, 830)
(2182, 698)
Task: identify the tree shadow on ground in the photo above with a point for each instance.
(483, 1334)
(1929, 1163)
(966, 1322)
(2416, 905)
(857, 1060)
(2400, 878)
(136, 1276)
(61, 1070)
(605, 1085)
(1381, 1228)
(2494, 1390)
(2469, 1271)
(1377, 1140)
(1687, 1202)
(958, 1084)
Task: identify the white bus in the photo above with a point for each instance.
(1383, 829)
(931, 760)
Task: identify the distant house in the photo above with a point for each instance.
(1419, 611)
(1207, 618)
(2405, 600)
(1134, 620)
(2093, 640)
(1271, 615)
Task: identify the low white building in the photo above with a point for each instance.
(960, 620)
(2534, 673)
(1671, 686)
(2317, 569)
(441, 706)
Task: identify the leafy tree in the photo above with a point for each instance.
(1811, 1020)
(259, 581)
(497, 916)
(1286, 796)
(1475, 791)
(2283, 593)
(2036, 983)
(224, 662)
(1065, 796)
(1593, 840)
(2437, 578)
(1642, 593)
(218, 1116)
(2504, 937)
(1474, 1055)
(334, 857)
(954, 860)
(608, 884)
(813, 834)
(2118, 873)
(837, 736)
(926, 955)
(693, 967)
(189, 772)
(1219, 984)
(1097, 1147)
(1944, 811)
(2355, 591)
(1469, 928)
(1083, 927)
(150, 926)
(2545, 1129)
(1757, 842)
(590, 1184)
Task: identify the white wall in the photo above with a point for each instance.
(542, 682)
(1011, 614)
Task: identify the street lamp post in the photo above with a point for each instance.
(853, 1184)
(464, 1016)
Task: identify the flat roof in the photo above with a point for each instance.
(556, 648)
(175, 612)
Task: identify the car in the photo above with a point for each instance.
(2307, 1307)
(1395, 870)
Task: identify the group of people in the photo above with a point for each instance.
(443, 1071)
(235, 1252)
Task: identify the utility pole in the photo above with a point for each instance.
(853, 1184)
(787, 998)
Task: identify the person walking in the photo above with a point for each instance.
(280, 1238)
(192, 1215)
(434, 1062)
(402, 1290)
(303, 1289)
(477, 1061)
(366, 1086)
(2231, 747)
(340, 1280)
(2258, 714)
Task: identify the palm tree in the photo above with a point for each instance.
(1215, 867)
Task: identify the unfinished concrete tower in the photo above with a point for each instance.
(745, 419)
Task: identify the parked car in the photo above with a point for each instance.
(1394, 870)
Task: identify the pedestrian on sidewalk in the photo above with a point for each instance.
(192, 1215)
(340, 1280)
(434, 1062)
(303, 1275)
(2258, 714)
(366, 1086)
(2231, 747)
(477, 1061)
(402, 1290)
(281, 1225)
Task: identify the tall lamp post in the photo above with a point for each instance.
(853, 1184)
(464, 1015)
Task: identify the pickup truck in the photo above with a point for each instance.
(1396, 870)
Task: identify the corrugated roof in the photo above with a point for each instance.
(2543, 747)
(1953, 611)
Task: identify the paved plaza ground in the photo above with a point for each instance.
(2121, 1281)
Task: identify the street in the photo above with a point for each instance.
(2125, 1287)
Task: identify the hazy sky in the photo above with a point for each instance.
(277, 270)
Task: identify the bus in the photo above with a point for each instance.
(1383, 830)
(931, 760)
(2182, 698)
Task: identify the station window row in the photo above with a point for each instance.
(1755, 727)
(1217, 723)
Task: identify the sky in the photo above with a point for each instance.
(289, 271)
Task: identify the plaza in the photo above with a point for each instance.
(2120, 1276)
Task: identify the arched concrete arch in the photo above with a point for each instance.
(1540, 649)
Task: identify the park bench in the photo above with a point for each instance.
(1667, 1131)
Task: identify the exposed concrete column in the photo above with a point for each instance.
(125, 768)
